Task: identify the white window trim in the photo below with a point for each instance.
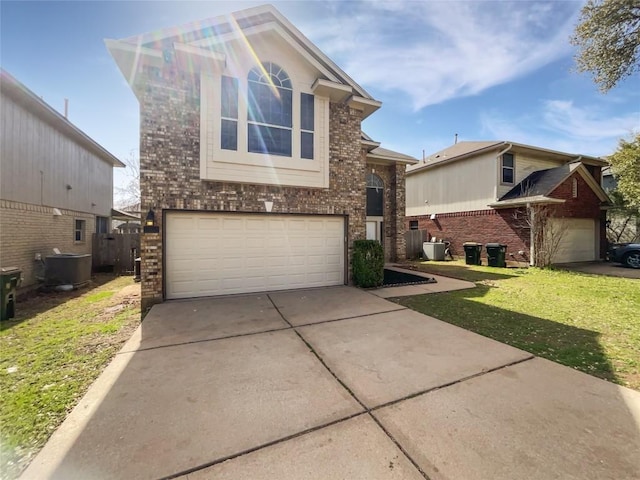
(83, 230)
(502, 167)
(240, 165)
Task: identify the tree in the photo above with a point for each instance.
(623, 222)
(128, 194)
(625, 165)
(546, 228)
(608, 36)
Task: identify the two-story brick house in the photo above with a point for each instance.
(481, 191)
(254, 168)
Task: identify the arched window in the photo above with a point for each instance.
(269, 110)
(375, 195)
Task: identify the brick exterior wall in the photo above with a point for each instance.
(27, 229)
(394, 206)
(170, 171)
(482, 226)
(507, 226)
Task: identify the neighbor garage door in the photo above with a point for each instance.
(217, 254)
(578, 243)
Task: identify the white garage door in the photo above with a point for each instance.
(578, 243)
(218, 254)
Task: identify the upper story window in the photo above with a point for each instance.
(307, 116)
(269, 111)
(508, 168)
(229, 113)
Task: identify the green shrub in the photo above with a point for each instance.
(368, 263)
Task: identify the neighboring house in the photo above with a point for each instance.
(56, 185)
(126, 219)
(622, 227)
(254, 168)
(480, 191)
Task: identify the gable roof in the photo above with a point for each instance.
(469, 149)
(192, 40)
(538, 186)
(380, 153)
(20, 94)
(542, 182)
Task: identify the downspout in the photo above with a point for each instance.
(532, 220)
(495, 193)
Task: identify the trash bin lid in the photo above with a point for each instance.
(471, 244)
(4, 270)
(495, 245)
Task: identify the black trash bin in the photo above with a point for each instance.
(10, 278)
(472, 252)
(496, 255)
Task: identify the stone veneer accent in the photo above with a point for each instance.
(27, 229)
(170, 173)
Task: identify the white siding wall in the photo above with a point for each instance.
(38, 163)
(457, 187)
(241, 166)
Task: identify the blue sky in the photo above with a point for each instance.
(494, 70)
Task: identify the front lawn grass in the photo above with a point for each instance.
(50, 354)
(587, 322)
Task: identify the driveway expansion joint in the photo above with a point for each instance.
(367, 410)
(450, 384)
(260, 447)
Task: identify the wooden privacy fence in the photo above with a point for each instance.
(115, 250)
(414, 240)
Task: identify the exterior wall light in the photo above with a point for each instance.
(150, 223)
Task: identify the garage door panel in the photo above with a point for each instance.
(578, 243)
(215, 254)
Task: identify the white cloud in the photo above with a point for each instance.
(435, 51)
(578, 122)
(561, 125)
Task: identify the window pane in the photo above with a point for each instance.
(507, 175)
(306, 145)
(306, 111)
(229, 97)
(507, 160)
(267, 107)
(272, 140)
(229, 135)
(413, 225)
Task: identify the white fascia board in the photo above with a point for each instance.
(130, 57)
(318, 53)
(518, 202)
(588, 178)
(367, 105)
(336, 92)
(192, 58)
(407, 161)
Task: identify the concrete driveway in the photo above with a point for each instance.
(336, 383)
(608, 269)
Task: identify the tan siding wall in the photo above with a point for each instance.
(27, 229)
(243, 166)
(38, 163)
(460, 186)
(525, 166)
